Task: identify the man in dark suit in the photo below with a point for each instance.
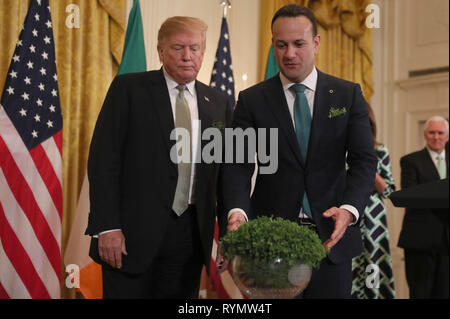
(152, 211)
(424, 234)
(311, 184)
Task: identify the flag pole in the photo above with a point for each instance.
(226, 4)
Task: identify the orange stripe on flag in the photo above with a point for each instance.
(91, 281)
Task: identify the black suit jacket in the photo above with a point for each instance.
(132, 179)
(323, 173)
(422, 229)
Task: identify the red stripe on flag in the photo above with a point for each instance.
(48, 175)
(20, 260)
(3, 293)
(217, 282)
(215, 278)
(58, 140)
(24, 196)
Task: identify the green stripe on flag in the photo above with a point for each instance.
(133, 58)
(271, 66)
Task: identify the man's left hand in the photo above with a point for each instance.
(342, 218)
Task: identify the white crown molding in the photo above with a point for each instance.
(422, 80)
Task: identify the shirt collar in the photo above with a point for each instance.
(433, 154)
(171, 84)
(310, 81)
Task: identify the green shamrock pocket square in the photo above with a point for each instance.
(335, 111)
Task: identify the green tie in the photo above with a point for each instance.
(441, 167)
(182, 119)
(302, 120)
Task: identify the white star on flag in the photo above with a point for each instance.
(222, 74)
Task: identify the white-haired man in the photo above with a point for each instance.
(425, 232)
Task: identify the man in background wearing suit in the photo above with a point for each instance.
(153, 215)
(320, 119)
(424, 234)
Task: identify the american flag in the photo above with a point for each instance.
(222, 80)
(222, 74)
(31, 164)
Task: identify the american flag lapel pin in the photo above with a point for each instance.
(206, 99)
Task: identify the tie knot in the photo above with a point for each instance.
(439, 158)
(181, 87)
(298, 88)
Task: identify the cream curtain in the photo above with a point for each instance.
(86, 59)
(346, 46)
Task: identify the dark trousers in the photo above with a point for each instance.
(175, 271)
(330, 281)
(427, 274)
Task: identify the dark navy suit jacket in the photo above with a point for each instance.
(323, 174)
(423, 229)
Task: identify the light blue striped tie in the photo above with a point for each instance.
(302, 120)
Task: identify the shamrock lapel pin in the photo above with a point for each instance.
(218, 125)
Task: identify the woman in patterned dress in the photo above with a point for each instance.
(375, 235)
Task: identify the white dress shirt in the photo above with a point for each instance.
(310, 82)
(433, 156)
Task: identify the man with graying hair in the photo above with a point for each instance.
(152, 215)
(425, 232)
